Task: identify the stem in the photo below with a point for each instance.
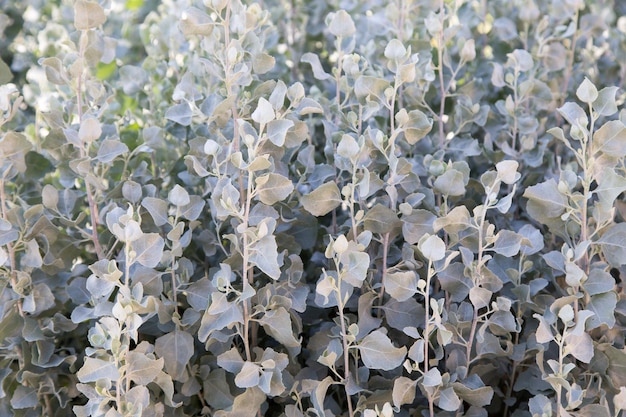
(427, 316)
(346, 357)
(442, 87)
(381, 293)
(93, 209)
(245, 275)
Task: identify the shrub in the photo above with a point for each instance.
(296, 208)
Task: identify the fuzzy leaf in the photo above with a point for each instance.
(341, 24)
(149, 249)
(264, 112)
(322, 200)
(598, 282)
(157, 209)
(401, 285)
(417, 126)
(90, 130)
(276, 188)
(264, 254)
(277, 131)
(448, 400)
(587, 92)
(610, 139)
(603, 305)
(381, 219)
(378, 352)
(613, 244)
(316, 66)
(111, 149)
(605, 104)
(248, 376)
(142, 369)
(403, 391)
(277, 323)
(507, 243)
(545, 201)
(580, 347)
(88, 15)
(179, 113)
(177, 349)
(94, 369)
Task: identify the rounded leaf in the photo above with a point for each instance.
(264, 112)
(341, 24)
(433, 248)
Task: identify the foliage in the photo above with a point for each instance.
(293, 208)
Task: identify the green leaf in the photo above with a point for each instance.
(317, 397)
(378, 352)
(322, 200)
(148, 249)
(277, 131)
(613, 244)
(341, 24)
(94, 369)
(480, 297)
(176, 348)
(587, 92)
(274, 188)
(507, 171)
(246, 404)
(395, 50)
(88, 15)
(381, 219)
(348, 147)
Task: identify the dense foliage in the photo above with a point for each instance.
(305, 208)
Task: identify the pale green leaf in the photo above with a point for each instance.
(110, 149)
(264, 113)
(452, 183)
(274, 188)
(322, 200)
(610, 139)
(94, 369)
(264, 254)
(142, 369)
(599, 281)
(277, 131)
(404, 390)
(277, 323)
(433, 248)
(176, 348)
(448, 400)
(613, 244)
(605, 104)
(579, 346)
(248, 376)
(603, 305)
(179, 113)
(545, 201)
(401, 285)
(508, 243)
(381, 219)
(157, 209)
(88, 15)
(341, 24)
(378, 352)
(316, 66)
(148, 249)
(90, 130)
(178, 196)
(432, 378)
(587, 92)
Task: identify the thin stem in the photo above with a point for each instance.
(381, 293)
(442, 87)
(427, 315)
(346, 356)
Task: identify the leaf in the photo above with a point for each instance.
(433, 248)
(264, 112)
(610, 186)
(94, 369)
(196, 22)
(88, 15)
(193, 210)
(322, 200)
(316, 66)
(348, 147)
(451, 183)
(610, 139)
(341, 24)
(507, 243)
(545, 201)
(90, 130)
(605, 104)
(378, 352)
(274, 188)
(579, 346)
(277, 131)
(157, 209)
(599, 281)
(478, 396)
(613, 244)
(317, 397)
(367, 88)
(507, 171)
(354, 267)
(248, 376)
(603, 305)
(432, 378)
(401, 285)
(417, 224)
(142, 369)
(381, 219)
(264, 254)
(587, 92)
(246, 404)
(179, 113)
(574, 114)
(13, 148)
(480, 297)
(24, 397)
(110, 149)
(448, 400)
(277, 323)
(176, 348)
(617, 364)
(148, 249)
(404, 390)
